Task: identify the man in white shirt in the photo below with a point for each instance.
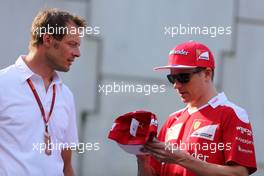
(37, 112)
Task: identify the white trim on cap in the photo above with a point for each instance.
(173, 66)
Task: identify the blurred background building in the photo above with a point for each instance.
(134, 37)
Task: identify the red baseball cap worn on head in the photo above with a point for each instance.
(189, 55)
(134, 129)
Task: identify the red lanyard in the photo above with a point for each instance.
(46, 120)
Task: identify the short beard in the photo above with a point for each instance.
(51, 61)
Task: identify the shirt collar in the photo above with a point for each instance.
(217, 100)
(26, 72)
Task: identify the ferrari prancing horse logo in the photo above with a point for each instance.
(196, 125)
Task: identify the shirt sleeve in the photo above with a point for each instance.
(237, 134)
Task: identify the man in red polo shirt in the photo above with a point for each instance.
(211, 135)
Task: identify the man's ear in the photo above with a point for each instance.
(47, 40)
(208, 74)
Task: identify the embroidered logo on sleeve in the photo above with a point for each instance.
(244, 150)
(243, 130)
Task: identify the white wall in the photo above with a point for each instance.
(133, 42)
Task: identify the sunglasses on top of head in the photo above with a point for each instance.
(183, 77)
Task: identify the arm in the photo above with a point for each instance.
(167, 154)
(66, 156)
(144, 167)
(70, 136)
(203, 168)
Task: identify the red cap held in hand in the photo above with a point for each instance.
(134, 129)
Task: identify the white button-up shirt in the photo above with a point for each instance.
(22, 126)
